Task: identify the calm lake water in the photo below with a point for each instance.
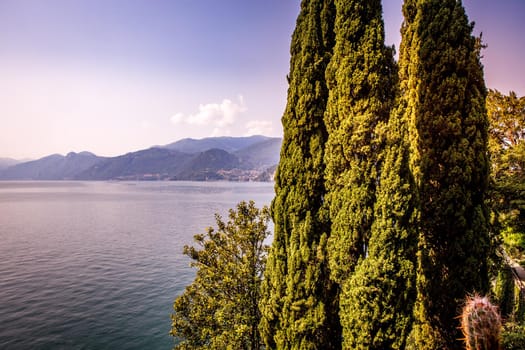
(94, 265)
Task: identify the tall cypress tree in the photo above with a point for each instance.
(372, 242)
(446, 113)
(360, 80)
(297, 310)
(377, 301)
(361, 77)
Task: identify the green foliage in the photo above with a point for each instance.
(507, 147)
(445, 110)
(379, 298)
(504, 291)
(513, 337)
(219, 310)
(507, 133)
(298, 310)
(370, 195)
(513, 240)
(480, 324)
(375, 300)
(360, 78)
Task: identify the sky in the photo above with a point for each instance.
(115, 76)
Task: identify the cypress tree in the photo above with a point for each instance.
(445, 110)
(297, 310)
(360, 80)
(377, 301)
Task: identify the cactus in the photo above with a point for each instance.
(481, 324)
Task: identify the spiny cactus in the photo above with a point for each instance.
(481, 324)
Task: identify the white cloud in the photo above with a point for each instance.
(259, 127)
(218, 115)
(177, 118)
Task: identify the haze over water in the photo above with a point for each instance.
(93, 265)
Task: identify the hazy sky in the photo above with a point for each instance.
(113, 76)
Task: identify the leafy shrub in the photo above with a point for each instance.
(513, 337)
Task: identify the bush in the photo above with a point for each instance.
(513, 336)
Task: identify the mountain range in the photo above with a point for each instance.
(251, 158)
(7, 162)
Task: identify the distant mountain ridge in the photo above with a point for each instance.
(7, 162)
(226, 143)
(53, 167)
(251, 158)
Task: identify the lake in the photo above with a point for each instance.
(97, 265)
